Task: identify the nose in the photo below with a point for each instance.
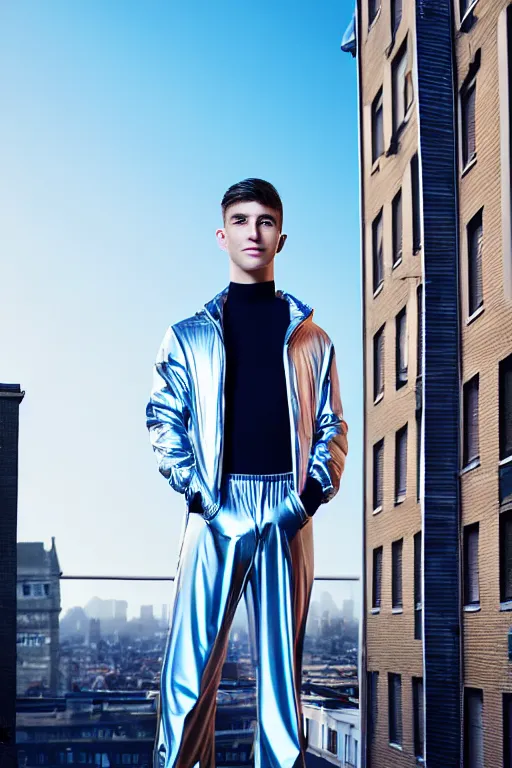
(253, 231)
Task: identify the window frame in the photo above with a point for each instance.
(397, 565)
(395, 729)
(401, 345)
(401, 483)
(469, 533)
(378, 253)
(470, 431)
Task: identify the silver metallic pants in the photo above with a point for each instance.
(259, 545)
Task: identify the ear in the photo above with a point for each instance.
(220, 234)
(281, 243)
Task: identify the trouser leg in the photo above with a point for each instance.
(214, 562)
(278, 594)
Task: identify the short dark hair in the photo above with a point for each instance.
(253, 189)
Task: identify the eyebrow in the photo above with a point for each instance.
(261, 216)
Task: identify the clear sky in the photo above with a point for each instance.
(123, 123)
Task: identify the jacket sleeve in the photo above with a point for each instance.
(167, 414)
(330, 444)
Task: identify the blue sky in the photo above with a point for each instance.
(122, 126)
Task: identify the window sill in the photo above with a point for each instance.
(397, 262)
(375, 20)
(472, 465)
(416, 249)
(400, 500)
(378, 290)
(397, 610)
(379, 397)
(506, 606)
(374, 611)
(472, 608)
(507, 460)
(475, 314)
(377, 510)
(469, 165)
(396, 746)
(375, 166)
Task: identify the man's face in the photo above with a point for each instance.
(251, 235)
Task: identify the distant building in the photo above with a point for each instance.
(348, 610)
(94, 633)
(10, 399)
(146, 613)
(38, 608)
(333, 734)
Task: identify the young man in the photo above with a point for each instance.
(246, 420)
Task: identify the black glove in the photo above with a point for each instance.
(196, 503)
(312, 495)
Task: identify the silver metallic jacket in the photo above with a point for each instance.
(185, 413)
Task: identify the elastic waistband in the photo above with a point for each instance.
(280, 476)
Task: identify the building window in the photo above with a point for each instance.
(505, 407)
(418, 588)
(396, 575)
(505, 556)
(475, 239)
(401, 348)
(470, 398)
(377, 577)
(396, 16)
(373, 690)
(468, 100)
(373, 9)
(378, 254)
(377, 127)
(416, 210)
(417, 703)
(418, 453)
(26, 590)
(419, 325)
(473, 728)
(332, 741)
(465, 6)
(471, 571)
(395, 708)
(397, 227)
(401, 87)
(378, 474)
(401, 465)
(378, 364)
(507, 730)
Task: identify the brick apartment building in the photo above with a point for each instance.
(434, 83)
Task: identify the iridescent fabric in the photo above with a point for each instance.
(254, 537)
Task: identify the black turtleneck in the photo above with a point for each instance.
(257, 436)
(257, 422)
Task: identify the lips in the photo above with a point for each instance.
(254, 250)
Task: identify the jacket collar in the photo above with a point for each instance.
(299, 311)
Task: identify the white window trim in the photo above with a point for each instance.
(468, 12)
(473, 464)
(475, 314)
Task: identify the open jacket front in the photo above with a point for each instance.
(185, 413)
